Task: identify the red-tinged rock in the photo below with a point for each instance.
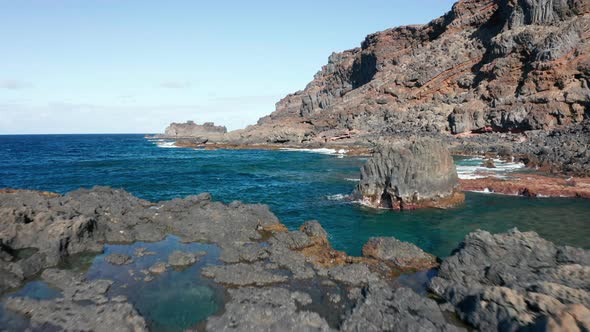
(530, 185)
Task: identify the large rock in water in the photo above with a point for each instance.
(408, 175)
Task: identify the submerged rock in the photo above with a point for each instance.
(158, 268)
(119, 259)
(409, 175)
(402, 255)
(84, 306)
(183, 259)
(514, 280)
(270, 309)
(242, 274)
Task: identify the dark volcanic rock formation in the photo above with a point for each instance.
(515, 280)
(494, 282)
(119, 259)
(382, 308)
(53, 227)
(403, 255)
(256, 250)
(408, 175)
(485, 66)
(207, 130)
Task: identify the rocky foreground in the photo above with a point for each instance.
(285, 280)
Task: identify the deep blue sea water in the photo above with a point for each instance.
(298, 186)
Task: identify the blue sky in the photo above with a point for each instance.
(115, 66)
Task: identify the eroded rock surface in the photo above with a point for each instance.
(381, 308)
(184, 259)
(506, 281)
(54, 227)
(271, 309)
(84, 306)
(119, 259)
(410, 175)
(515, 280)
(404, 255)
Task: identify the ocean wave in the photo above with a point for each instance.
(352, 179)
(469, 169)
(166, 144)
(319, 150)
(337, 197)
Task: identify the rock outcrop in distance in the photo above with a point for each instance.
(192, 132)
(407, 175)
(508, 68)
(279, 279)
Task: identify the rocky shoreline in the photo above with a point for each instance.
(530, 185)
(276, 277)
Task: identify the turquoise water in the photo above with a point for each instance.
(298, 186)
(172, 301)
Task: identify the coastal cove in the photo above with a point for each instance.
(297, 185)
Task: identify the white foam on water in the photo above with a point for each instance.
(166, 144)
(319, 150)
(352, 179)
(469, 172)
(337, 197)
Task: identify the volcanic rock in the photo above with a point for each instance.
(409, 175)
(382, 308)
(119, 259)
(242, 274)
(402, 255)
(191, 131)
(182, 259)
(514, 280)
(158, 268)
(485, 66)
(270, 309)
(83, 306)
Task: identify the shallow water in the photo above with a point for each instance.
(174, 300)
(297, 185)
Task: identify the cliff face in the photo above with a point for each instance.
(487, 65)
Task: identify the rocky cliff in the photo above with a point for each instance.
(486, 66)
